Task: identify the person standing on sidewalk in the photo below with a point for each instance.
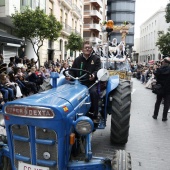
(163, 77)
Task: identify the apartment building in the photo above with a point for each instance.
(149, 36)
(94, 15)
(68, 12)
(9, 43)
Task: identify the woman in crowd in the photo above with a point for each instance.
(7, 88)
(64, 67)
(38, 80)
(26, 86)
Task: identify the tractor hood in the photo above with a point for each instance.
(62, 99)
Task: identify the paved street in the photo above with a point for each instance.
(149, 139)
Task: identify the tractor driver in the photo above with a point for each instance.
(88, 61)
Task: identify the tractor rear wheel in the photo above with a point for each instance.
(121, 160)
(120, 110)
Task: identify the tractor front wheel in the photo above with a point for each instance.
(120, 110)
(121, 160)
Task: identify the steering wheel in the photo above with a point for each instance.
(75, 78)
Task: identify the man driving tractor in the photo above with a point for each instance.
(90, 62)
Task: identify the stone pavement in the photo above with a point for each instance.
(149, 139)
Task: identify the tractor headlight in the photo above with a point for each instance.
(83, 125)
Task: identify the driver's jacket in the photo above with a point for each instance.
(92, 64)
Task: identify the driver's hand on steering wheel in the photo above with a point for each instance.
(68, 78)
(91, 77)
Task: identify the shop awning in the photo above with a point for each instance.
(8, 38)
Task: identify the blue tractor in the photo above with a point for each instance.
(44, 131)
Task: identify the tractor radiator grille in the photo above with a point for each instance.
(52, 150)
(20, 147)
(46, 144)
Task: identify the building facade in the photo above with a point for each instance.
(94, 15)
(68, 12)
(120, 11)
(149, 36)
(9, 43)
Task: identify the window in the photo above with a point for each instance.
(122, 6)
(50, 11)
(86, 7)
(61, 15)
(75, 25)
(38, 3)
(50, 44)
(2, 2)
(61, 42)
(72, 23)
(80, 29)
(121, 17)
(66, 18)
(26, 3)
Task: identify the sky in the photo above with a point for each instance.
(144, 10)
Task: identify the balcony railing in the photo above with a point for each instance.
(67, 3)
(66, 29)
(93, 39)
(76, 11)
(92, 26)
(99, 2)
(75, 31)
(93, 13)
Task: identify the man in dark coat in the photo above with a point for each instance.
(162, 75)
(90, 62)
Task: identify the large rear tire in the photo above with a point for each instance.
(120, 120)
(121, 160)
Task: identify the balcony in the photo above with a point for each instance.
(66, 3)
(93, 13)
(96, 27)
(97, 3)
(75, 31)
(76, 11)
(66, 30)
(94, 40)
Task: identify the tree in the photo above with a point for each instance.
(167, 15)
(163, 42)
(75, 42)
(35, 26)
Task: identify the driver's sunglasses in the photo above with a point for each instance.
(88, 48)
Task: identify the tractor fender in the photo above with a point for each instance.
(112, 83)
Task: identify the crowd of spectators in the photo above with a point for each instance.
(21, 77)
(145, 73)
